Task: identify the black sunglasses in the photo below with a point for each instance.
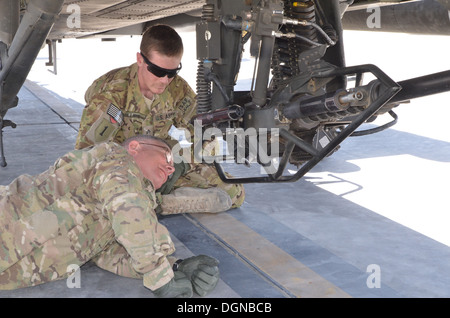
(159, 71)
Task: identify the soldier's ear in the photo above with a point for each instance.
(133, 147)
(139, 59)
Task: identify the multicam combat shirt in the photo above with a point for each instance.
(116, 109)
(91, 204)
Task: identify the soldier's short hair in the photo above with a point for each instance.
(163, 39)
(145, 138)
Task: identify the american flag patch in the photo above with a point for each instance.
(115, 114)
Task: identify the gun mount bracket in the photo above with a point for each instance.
(388, 89)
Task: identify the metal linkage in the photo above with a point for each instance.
(388, 89)
(23, 43)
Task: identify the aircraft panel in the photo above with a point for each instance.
(101, 16)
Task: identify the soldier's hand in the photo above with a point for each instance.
(178, 287)
(203, 272)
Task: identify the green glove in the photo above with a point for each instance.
(203, 272)
(180, 169)
(178, 287)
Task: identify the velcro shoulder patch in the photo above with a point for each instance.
(115, 113)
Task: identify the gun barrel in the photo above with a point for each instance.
(306, 106)
(423, 86)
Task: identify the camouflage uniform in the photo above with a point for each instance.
(116, 110)
(91, 204)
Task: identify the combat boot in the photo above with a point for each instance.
(195, 200)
